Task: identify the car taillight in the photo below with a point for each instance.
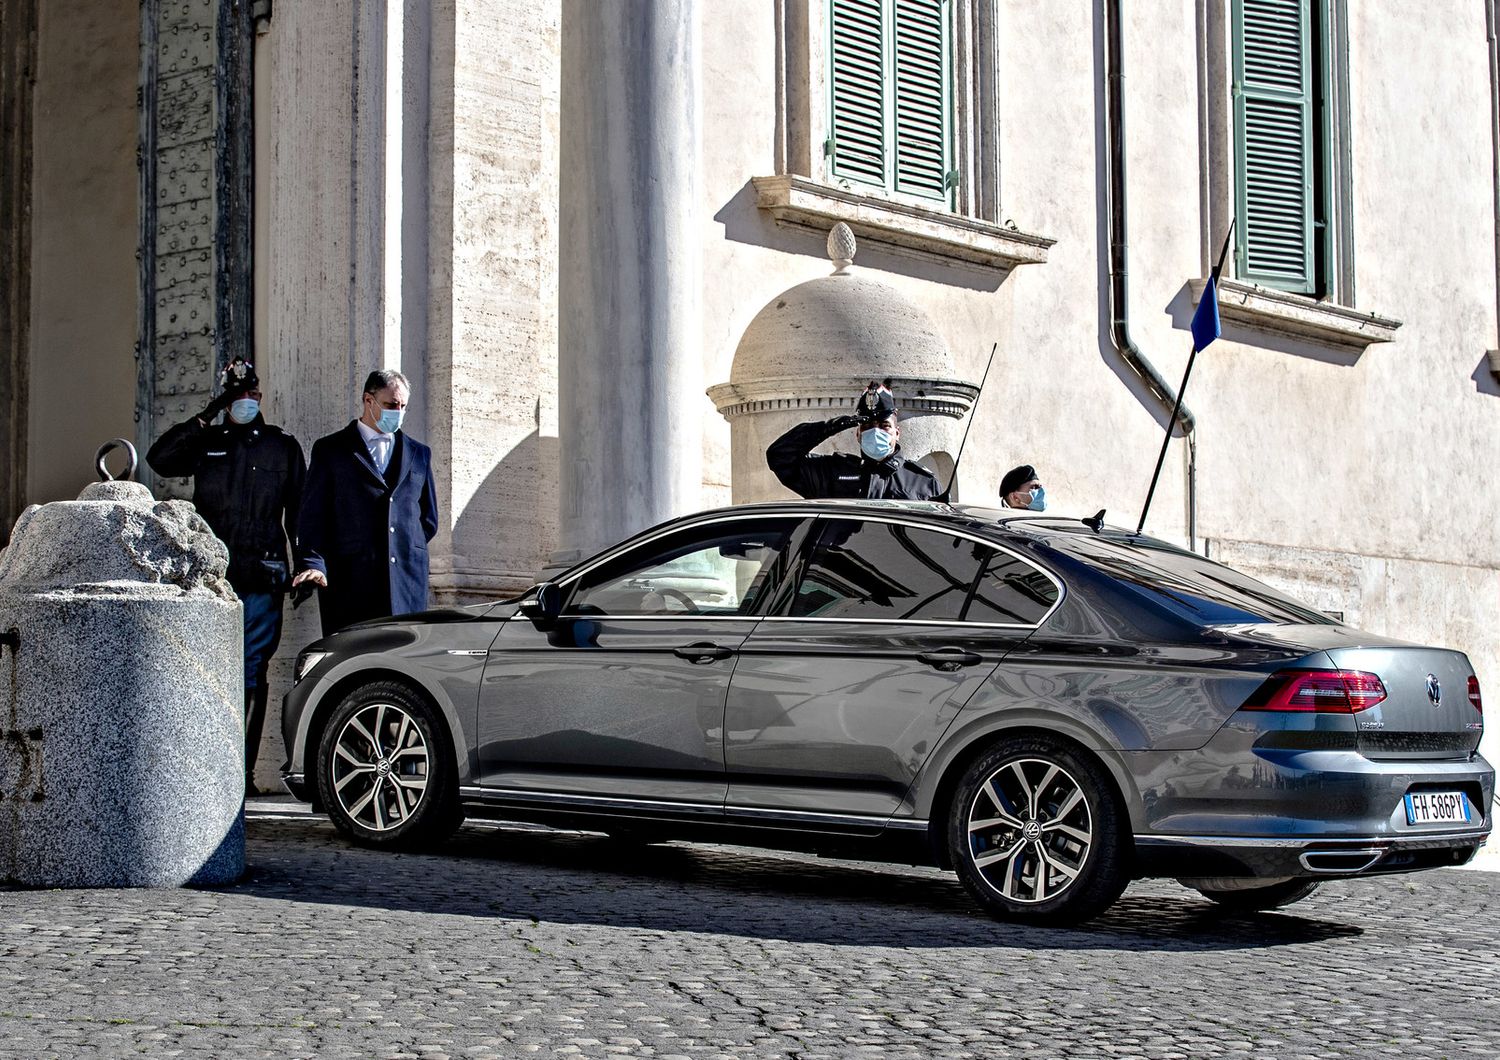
(1474, 693)
(1319, 691)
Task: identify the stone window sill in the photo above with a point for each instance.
(905, 229)
(1327, 324)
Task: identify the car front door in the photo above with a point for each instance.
(883, 634)
(622, 697)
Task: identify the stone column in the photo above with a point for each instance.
(629, 286)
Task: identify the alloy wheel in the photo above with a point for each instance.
(1030, 830)
(379, 767)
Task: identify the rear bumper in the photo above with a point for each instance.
(1255, 856)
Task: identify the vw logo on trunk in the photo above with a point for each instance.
(1434, 690)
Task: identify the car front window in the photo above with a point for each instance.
(719, 569)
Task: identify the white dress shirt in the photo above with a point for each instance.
(378, 443)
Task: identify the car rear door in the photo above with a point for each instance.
(885, 630)
(622, 698)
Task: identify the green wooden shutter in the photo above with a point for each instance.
(859, 127)
(920, 58)
(891, 95)
(1273, 143)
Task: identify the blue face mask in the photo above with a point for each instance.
(1038, 500)
(244, 410)
(390, 420)
(876, 443)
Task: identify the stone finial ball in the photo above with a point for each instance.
(841, 246)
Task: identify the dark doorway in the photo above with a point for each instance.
(17, 65)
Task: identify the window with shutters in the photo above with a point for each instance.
(890, 96)
(888, 118)
(1282, 134)
(1281, 168)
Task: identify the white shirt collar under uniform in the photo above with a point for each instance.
(378, 443)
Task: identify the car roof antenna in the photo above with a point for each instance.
(1095, 522)
(948, 490)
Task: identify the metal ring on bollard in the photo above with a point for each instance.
(107, 448)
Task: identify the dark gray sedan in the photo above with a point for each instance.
(1049, 707)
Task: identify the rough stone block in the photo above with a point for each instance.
(121, 711)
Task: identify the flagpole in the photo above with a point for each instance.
(1208, 301)
(1165, 442)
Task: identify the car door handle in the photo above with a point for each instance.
(704, 652)
(949, 659)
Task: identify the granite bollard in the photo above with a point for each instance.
(121, 696)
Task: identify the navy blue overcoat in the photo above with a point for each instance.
(368, 532)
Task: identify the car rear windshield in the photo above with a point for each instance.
(1200, 590)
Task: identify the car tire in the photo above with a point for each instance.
(1258, 899)
(385, 768)
(1034, 801)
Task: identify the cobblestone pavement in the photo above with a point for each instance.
(514, 942)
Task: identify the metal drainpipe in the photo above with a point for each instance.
(1492, 32)
(1119, 261)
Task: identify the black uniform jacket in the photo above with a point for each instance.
(247, 483)
(814, 475)
(366, 531)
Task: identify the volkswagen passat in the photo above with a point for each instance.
(1049, 707)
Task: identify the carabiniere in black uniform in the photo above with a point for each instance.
(247, 479)
(816, 475)
(813, 475)
(247, 484)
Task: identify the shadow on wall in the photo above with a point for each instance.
(1484, 376)
(513, 518)
(744, 222)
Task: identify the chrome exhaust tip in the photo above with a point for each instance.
(1341, 862)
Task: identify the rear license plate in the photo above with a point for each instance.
(1437, 807)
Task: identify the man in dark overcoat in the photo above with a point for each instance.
(368, 511)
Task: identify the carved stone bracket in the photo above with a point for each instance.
(906, 229)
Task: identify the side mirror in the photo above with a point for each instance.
(543, 604)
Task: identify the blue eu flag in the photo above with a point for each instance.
(1206, 319)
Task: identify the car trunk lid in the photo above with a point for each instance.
(1426, 712)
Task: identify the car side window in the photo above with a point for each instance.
(897, 572)
(1011, 591)
(719, 569)
(889, 571)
